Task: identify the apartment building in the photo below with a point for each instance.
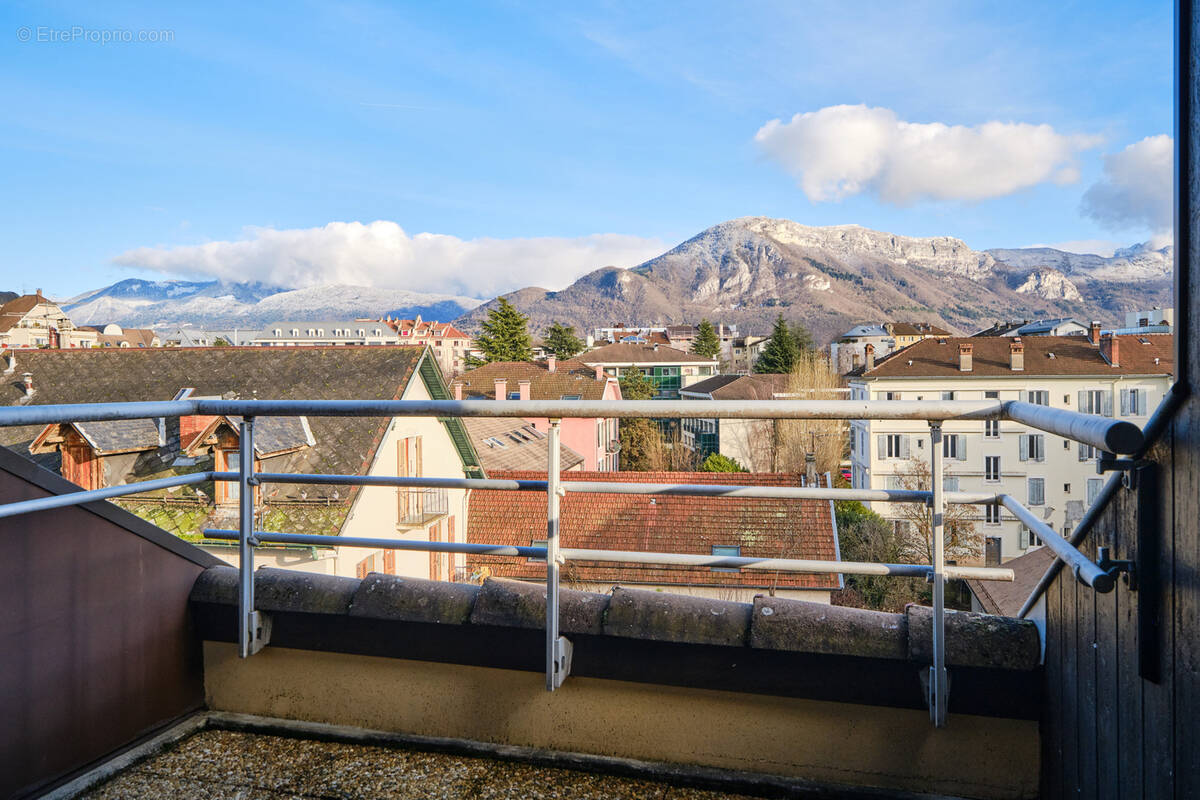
(33, 320)
(668, 368)
(293, 333)
(1119, 376)
(450, 346)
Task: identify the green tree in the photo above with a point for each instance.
(719, 463)
(219, 342)
(505, 336)
(803, 339)
(562, 341)
(635, 385)
(706, 343)
(781, 353)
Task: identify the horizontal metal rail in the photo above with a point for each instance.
(606, 487)
(1155, 427)
(93, 495)
(1106, 433)
(629, 556)
(1085, 569)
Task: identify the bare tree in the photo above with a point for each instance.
(962, 542)
(812, 378)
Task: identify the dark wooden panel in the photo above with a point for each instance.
(1070, 685)
(1052, 723)
(1186, 491)
(1085, 675)
(1108, 751)
(1158, 706)
(96, 647)
(1128, 689)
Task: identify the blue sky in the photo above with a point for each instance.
(541, 140)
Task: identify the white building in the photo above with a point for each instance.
(1122, 376)
(344, 332)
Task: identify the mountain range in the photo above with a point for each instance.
(217, 304)
(743, 271)
(748, 270)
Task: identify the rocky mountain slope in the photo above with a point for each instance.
(748, 270)
(159, 304)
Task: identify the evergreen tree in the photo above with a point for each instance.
(706, 343)
(636, 386)
(803, 339)
(562, 341)
(781, 353)
(719, 463)
(505, 336)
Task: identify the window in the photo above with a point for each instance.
(1066, 488)
(893, 445)
(947, 395)
(1133, 402)
(887, 395)
(1095, 401)
(408, 465)
(950, 483)
(278, 332)
(991, 395)
(893, 483)
(1039, 397)
(1028, 538)
(572, 397)
(1033, 447)
(1087, 452)
(991, 469)
(991, 514)
(991, 429)
(734, 551)
(1094, 485)
(1037, 491)
(954, 446)
(514, 395)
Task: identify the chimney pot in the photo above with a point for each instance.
(1016, 355)
(965, 357)
(551, 362)
(457, 391)
(524, 388)
(28, 379)
(501, 388)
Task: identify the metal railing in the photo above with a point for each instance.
(253, 628)
(419, 506)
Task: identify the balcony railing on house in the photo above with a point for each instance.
(1110, 436)
(421, 506)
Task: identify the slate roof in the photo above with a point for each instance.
(272, 435)
(740, 387)
(916, 329)
(864, 330)
(658, 523)
(627, 353)
(343, 444)
(118, 436)
(514, 445)
(570, 377)
(1005, 599)
(1073, 355)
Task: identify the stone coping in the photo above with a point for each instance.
(767, 624)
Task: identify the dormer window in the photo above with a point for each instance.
(361, 332)
(295, 331)
(377, 332)
(278, 332)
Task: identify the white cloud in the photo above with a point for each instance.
(1096, 247)
(841, 151)
(1137, 188)
(382, 254)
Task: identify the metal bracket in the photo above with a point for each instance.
(259, 634)
(563, 651)
(1124, 567)
(926, 676)
(1108, 462)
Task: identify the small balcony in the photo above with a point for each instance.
(421, 506)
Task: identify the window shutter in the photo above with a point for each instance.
(962, 448)
(1108, 403)
(1082, 452)
(881, 440)
(904, 446)
(1024, 447)
(1039, 449)
(1082, 407)
(1024, 538)
(1125, 402)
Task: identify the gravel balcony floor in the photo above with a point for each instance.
(225, 764)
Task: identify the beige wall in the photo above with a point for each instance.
(822, 741)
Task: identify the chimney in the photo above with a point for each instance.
(1016, 355)
(1110, 350)
(524, 387)
(870, 348)
(656, 348)
(856, 360)
(599, 372)
(39, 294)
(1094, 332)
(457, 391)
(965, 357)
(169, 439)
(551, 362)
(501, 388)
(11, 367)
(28, 376)
(810, 469)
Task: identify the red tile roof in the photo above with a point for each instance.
(440, 330)
(774, 528)
(15, 310)
(1044, 355)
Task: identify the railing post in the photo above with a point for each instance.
(253, 628)
(558, 649)
(938, 685)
